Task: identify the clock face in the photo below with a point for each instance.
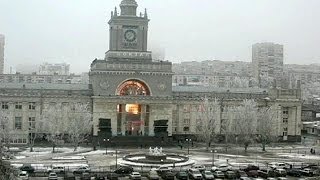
(130, 35)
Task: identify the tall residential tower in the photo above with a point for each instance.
(1, 54)
(267, 61)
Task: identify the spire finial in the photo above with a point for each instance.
(115, 11)
(145, 13)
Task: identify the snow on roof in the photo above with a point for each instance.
(215, 89)
(44, 86)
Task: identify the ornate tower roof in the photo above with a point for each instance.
(128, 7)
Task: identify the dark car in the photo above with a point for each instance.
(251, 167)
(294, 172)
(27, 168)
(252, 173)
(168, 175)
(265, 173)
(182, 175)
(230, 175)
(124, 170)
(240, 173)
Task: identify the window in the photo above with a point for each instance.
(186, 129)
(18, 105)
(32, 105)
(186, 121)
(285, 120)
(285, 111)
(18, 123)
(32, 123)
(5, 105)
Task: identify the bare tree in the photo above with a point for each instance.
(53, 124)
(79, 124)
(245, 123)
(6, 172)
(266, 122)
(209, 116)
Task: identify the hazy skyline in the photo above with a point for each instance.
(76, 31)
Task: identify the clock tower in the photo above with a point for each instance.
(132, 93)
(128, 32)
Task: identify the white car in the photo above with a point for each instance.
(135, 175)
(194, 174)
(163, 169)
(82, 169)
(58, 169)
(199, 167)
(24, 175)
(221, 167)
(277, 165)
(52, 176)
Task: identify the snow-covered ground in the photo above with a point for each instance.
(99, 160)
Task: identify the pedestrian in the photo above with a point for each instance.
(311, 150)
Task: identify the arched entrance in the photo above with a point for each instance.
(133, 119)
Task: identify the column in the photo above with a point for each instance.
(123, 119)
(142, 118)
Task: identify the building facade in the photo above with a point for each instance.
(54, 69)
(131, 94)
(2, 43)
(267, 62)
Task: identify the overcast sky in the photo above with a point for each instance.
(76, 31)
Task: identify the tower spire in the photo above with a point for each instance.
(145, 13)
(115, 12)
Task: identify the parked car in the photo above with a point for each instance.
(252, 173)
(282, 178)
(162, 169)
(194, 174)
(123, 170)
(245, 178)
(85, 176)
(251, 167)
(265, 173)
(280, 172)
(199, 167)
(27, 168)
(307, 172)
(207, 175)
(153, 175)
(58, 169)
(52, 176)
(167, 175)
(82, 169)
(135, 175)
(221, 167)
(230, 175)
(277, 165)
(294, 172)
(23, 175)
(240, 173)
(182, 175)
(218, 174)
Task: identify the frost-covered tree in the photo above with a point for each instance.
(208, 119)
(238, 82)
(310, 91)
(6, 136)
(245, 123)
(79, 124)
(267, 117)
(53, 124)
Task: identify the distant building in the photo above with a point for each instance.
(2, 42)
(267, 63)
(51, 69)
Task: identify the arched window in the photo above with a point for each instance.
(133, 88)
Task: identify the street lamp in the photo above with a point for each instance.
(188, 140)
(106, 141)
(213, 151)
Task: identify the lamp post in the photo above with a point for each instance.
(106, 141)
(188, 140)
(213, 151)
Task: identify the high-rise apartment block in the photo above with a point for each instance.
(1, 54)
(267, 63)
(52, 69)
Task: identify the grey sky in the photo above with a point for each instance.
(76, 31)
